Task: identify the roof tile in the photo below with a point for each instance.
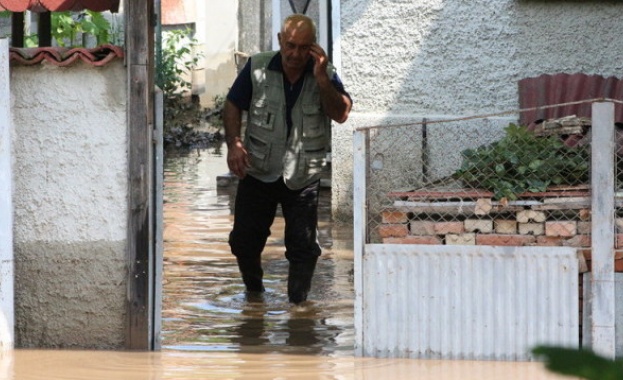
(98, 56)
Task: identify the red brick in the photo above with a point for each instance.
(429, 240)
(508, 240)
(394, 217)
(393, 230)
(578, 241)
(549, 241)
(443, 228)
(619, 241)
(567, 228)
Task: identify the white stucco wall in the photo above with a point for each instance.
(217, 34)
(70, 199)
(405, 60)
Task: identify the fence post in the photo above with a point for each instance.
(602, 231)
(6, 205)
(360, 224)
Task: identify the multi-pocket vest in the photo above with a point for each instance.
(299, 157)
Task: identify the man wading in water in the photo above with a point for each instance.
(291, 96)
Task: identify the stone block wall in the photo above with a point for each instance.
(497, 226)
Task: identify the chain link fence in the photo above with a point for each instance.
(482, 181)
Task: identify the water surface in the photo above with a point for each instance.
(204, 305)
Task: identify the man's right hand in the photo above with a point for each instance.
(237, 158)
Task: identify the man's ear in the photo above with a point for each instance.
(279, 38)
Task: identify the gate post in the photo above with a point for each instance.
(360, 223)
(601, 296)
(7, 319)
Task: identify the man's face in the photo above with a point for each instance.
(295, 42)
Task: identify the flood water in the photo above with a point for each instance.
(209, 331)
(204, 305)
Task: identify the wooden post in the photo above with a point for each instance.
(140, 53)
(602, 202)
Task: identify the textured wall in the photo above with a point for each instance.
(405, 60)
(217, 33)
(70, 199)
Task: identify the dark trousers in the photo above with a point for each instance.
(255, 208)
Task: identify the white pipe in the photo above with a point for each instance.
(276, 23)
(336, 34)
(6, 205)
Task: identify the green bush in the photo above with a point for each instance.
(67, 26)
(523, 162)
(71, 29)
(178, 59)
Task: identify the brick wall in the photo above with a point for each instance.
(496, 225)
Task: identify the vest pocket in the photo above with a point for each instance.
(314, 156)
(313, 121)
(261, 115)
(259, 152)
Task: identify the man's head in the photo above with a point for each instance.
(298, 33)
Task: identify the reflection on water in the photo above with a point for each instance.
(210, 331)
(204, 305)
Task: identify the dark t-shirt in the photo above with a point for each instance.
(242, 90)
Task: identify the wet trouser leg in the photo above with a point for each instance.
(300, 211)
(254, 212)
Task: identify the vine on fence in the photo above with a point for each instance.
(523, 162)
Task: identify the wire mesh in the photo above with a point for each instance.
(481, 182)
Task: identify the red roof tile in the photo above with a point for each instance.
(99, 56)
(59, 5)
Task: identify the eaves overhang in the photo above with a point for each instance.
(59, 5)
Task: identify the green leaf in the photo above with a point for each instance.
(583, 363)
(535, 164)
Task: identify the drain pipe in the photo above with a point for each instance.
(7, 309)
